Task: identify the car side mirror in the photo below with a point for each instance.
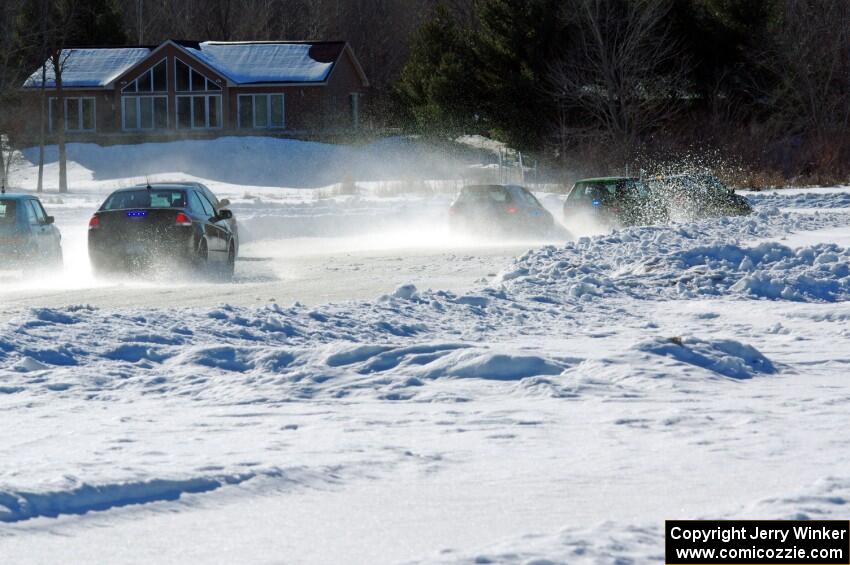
(224, 203)
(225, 214)
(49, 220)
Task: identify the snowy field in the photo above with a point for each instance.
(514, 403)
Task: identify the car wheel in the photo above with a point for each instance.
(229, 266)
(58, 260)
(203, 257)
(99, 269)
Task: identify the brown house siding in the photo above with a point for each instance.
(103, 109)
(342, 82)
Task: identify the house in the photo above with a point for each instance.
(185, 88)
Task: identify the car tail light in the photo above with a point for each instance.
(182, 219)
(511, 210)
(94, 223)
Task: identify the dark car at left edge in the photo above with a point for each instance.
(28, 236)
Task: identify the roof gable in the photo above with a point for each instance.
(90, 67)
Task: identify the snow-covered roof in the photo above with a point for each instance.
(247, 63)
(91, 67)
(239, 62)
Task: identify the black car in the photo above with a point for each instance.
(161, 224)
(28, 236)
(217, 204)
(494, 209)
(699, 195)
(613, 201)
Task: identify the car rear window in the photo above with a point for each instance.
(7, 212)
(484, 194)
(594, 191)
(145, 199)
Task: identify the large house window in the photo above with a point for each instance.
(152, 80)
(202, 108)
(141, 107)
(263, 111)
(144, 112)
(199, 111)
(190, 80)
(79, 113)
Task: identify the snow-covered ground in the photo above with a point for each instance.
(558, 405)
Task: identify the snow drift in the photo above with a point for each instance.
(262, 161)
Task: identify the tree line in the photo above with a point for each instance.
(588, 85)
(600, 84)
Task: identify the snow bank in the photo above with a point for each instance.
(255, 161)
(769, 270)
(378, 347)
(708, 258)
(808, 199)
(726, 357)
(16, 506)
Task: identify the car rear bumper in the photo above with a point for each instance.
(501, 226)
(19, 251)
(107, 253)
(598, 213)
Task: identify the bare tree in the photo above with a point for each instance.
(42, 101)
(42, 118)
(622, 68)
(55, 19)
(811, 62)
(11, 121)
(58, 60)
(8, 156)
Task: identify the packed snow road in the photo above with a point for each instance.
(559, 410)
(281, 271)
(299, 251)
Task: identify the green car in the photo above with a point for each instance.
(693, 196)
(628, 201)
